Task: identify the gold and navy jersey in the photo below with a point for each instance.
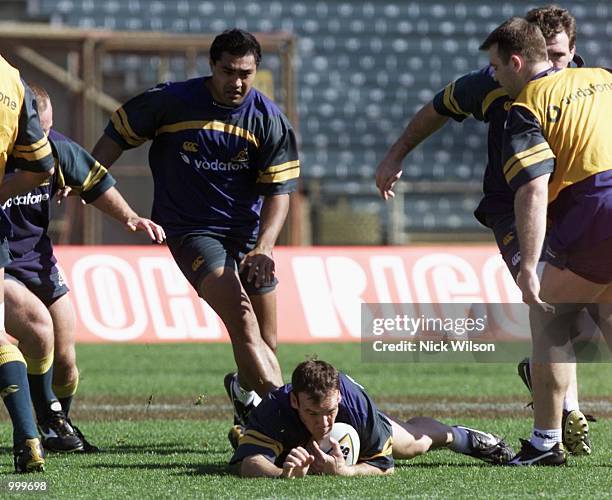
(30, 213)
(477, 94)
(211, 164)
(21, 137)
(560, 124)
(275, 428)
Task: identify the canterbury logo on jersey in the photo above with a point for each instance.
(197, 263)
(221, 166)
(26, 199)
(242, 156)
(190, 147)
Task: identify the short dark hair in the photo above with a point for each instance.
(237, 43)
(517, 36)
(315, 378)
(552, 19)
(41, 96)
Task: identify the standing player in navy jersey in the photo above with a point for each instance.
(224, 160)
(281, 438)
(21, 139)
(39, 312)
(557, 157)
(478, 94)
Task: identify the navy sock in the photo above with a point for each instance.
(15, 392)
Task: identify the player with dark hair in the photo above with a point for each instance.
(224, 161)
(478, 94)
(24, 142)
(39, 313)
(282, 436)
(565, 176)
(559, 29)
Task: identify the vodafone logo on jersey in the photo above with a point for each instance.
(138, 294)
(26, 199)
(220, 166)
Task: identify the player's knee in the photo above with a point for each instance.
(222, 282)
(64, 374)
(64, 364)
(36, 333)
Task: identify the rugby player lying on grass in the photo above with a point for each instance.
(282, 436)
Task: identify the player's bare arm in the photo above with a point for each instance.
(333, 463)
(22, 182)
(260, 262)
(423, 124)
(112, 203)
(295, 465)
(530, 209)
(258, 466)
(106, 151)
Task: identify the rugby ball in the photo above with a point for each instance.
(347, 437)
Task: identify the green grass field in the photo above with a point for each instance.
(161, 416)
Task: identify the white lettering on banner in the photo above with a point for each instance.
(348, 283)
(105, 273)
(453, 279)
(381, 266)
(314, 290)
(392, 287)
(183, 321)
(108, 295)
(494, 274)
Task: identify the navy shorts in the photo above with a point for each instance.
(48, 288)
(5, 255)
(198, 254)
(592, 263)
(504, 230)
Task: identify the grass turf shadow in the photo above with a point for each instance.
(215, 469)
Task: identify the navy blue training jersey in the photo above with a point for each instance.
(479, 95)
(275, 428)
(30, 213)
(210, 163)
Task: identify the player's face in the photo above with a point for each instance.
(46, 118)
(318, 417)
(232, 78)
(506, 74)
(559, 52)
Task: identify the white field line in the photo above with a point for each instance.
(588, 406)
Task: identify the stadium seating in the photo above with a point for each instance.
(363, 69)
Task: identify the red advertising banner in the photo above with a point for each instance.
(137, 294)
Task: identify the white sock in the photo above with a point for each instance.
(545, 439)
(460, 440)
(570, 404)
(245, 397)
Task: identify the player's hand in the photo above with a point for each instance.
(529, 284)
(259, 266)
(297, 463)
(63, 193)
(388, 173)
(155, 231)
(331, 463)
